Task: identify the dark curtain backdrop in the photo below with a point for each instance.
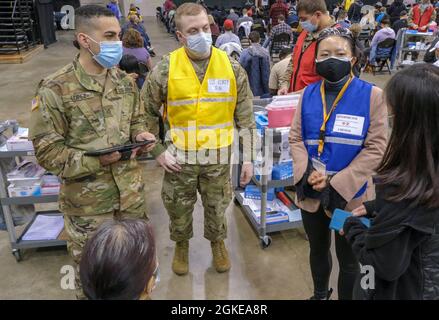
(44, 12)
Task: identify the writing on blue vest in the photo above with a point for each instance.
(340, 148)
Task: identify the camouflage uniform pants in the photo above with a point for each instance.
(179, 196)
(80, 228)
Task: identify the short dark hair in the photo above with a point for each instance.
(385, 20)
(284, 52)
(84, 14)
(403, 13)
(254, 37)
(129, 64)
(312, 6)
(411, 160)
(84, 17)
(118, 260)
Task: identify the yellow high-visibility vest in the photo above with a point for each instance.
(201, 115)
(348, 4)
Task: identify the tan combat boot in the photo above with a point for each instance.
(221, 259)
(180, 264)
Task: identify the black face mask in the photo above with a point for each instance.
(333, 69)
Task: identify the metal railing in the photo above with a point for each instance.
(17, 4)
(13, 25)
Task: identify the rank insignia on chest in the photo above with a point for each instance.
(124, 89)
(81, 96)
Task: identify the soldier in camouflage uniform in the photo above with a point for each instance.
(88, 106)
(184, 178)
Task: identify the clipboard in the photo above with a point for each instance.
(125, 150)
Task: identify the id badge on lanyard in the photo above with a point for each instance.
(317, 164)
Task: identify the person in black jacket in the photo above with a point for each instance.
(394, 11)
(402, 243)
(354, 13)
(430, 55)
(401, 23)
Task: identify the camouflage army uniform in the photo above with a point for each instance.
(73, 113)
(179, 192)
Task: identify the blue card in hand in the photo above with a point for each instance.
(340, 216)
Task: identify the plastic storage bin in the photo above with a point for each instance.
(253, 192)
(280, 116)
(281, 111)
(261, 120)
(282, 171)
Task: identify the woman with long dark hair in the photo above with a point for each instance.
(402, 244)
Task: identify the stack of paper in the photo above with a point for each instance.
(280, 212)
(45, 227)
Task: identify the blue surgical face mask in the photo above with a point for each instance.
(308, 26)
(110, 53)
(200, 43)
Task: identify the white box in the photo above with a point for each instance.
(50, 185)
(21, 176)
(50, 190)
(15, 143)
(24, 191)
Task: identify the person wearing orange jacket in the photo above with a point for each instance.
(301, 71)
(421, 16)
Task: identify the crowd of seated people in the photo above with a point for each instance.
(381, 23)
(371, 25)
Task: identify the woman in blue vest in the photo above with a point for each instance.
(338, 138)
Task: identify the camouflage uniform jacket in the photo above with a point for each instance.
(74, 114)
(155, 92)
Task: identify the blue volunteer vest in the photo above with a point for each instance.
(340, 148)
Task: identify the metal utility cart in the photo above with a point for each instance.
(413, 46)
(17, 243)
(262, 228)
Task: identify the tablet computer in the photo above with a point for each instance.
(125, 149)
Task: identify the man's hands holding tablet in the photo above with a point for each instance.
(145, 142)
(146, 136)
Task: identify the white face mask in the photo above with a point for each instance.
(200, 43)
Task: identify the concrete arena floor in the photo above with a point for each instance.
(280, 272)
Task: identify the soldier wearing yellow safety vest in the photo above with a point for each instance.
(205, 95)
